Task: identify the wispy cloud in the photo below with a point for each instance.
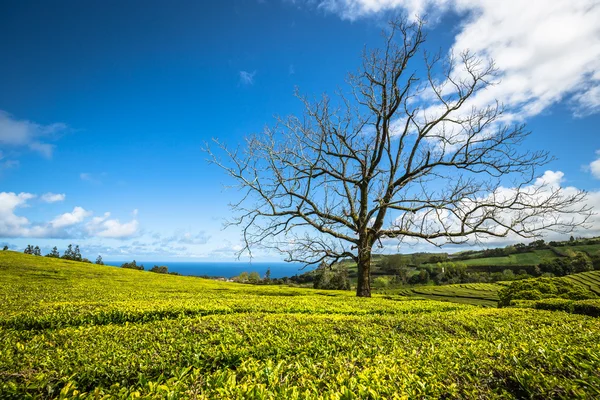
(247, 78)
(135, 249)
(594, 166)
(85, 176)
(27, 135)
(92, 178)
(52, 197)
(182, 237)
(7, 163)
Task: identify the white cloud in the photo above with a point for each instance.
(7, 164)
(136, 250)
(354, 9)
(588, 101)
(96, 179)
(595, 166)
(543, 189)
(190, 238)
(23, 134)
(68, 219)
(550, 179)
(546, 51)
(98, 220)
(228, 250)
(182, 237)
(12, 225)
(247, 78)
(112, 228)
(67, 225)
(52, 197)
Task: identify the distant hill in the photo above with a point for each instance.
(515, 257)
(486, 294)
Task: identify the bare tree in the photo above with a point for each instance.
(400, 156)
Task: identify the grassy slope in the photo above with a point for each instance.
(513, 261)
(533, 257)
(480, 294)
(484, 294)
(87, 330)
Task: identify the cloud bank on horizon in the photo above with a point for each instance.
(73, 224)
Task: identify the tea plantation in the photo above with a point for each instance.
(75, 330)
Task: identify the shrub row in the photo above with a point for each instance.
(584, 307)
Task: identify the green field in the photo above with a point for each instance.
(531, 257)
(75, 330)
(591, 249)
(590, 280)
(483, 294)
(534, 257)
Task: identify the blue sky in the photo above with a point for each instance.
(105, 105)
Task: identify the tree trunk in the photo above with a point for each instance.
(363, 288)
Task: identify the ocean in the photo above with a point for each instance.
(225, 269)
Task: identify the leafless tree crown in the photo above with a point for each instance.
(399, 156)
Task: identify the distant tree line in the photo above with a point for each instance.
(574, 263)
(539, 244)
(132, 265)
(331, 277)
(450, 272)
(159, 269)
(32, 250)
(162, 269)
(402, 269)
(324, 277)
(399, 270)
(71, 253)
(328, 277)
(254, 278)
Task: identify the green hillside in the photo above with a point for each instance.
(76, 330)
(481, 294)
(485, 294)
(523, 259)
(590, 280)
(534, 257)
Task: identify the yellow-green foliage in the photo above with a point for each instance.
(486, 294)
(76, 330)
(481, 294)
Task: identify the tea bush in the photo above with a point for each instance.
(69, 330)
(543, 288)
